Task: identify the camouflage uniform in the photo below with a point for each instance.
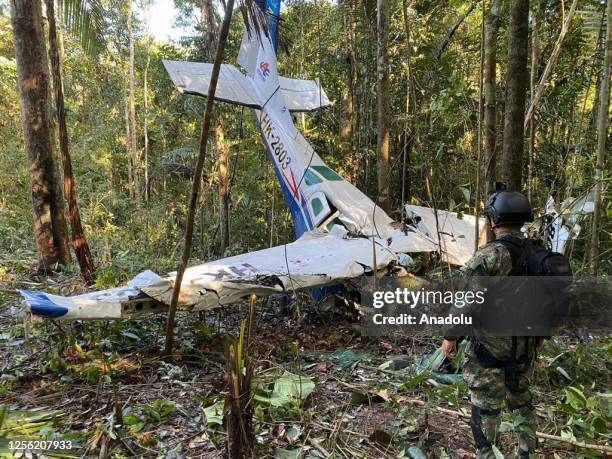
(490, 382)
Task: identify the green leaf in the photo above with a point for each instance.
(281, 453)
(293, 433)
(506, 427)
(347, 358)
(600, 425)
(432, 362)
(138, 426)
(214, 413)
(498, 454)
(287, 389)
(84, 20)
(415, 381)
(575, 397)
(130, 420)
(466, 193)
(131, 335)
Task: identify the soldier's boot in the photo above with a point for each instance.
(485, 426)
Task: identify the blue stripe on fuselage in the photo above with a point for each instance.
(299, 211)
(42, 305)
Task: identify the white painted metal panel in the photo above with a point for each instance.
(303, 95)
(194, 78)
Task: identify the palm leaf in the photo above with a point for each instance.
(84, 20)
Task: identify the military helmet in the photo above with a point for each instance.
(508, 207)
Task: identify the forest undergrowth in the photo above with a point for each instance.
(321, 387)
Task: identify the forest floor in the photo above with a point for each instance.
(106, 387)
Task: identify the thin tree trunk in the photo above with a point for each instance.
(516, 86)
(34, 97)
(537, 95)
(209, 30)
(602, 137)
(207, 17)
(535, 57)
(490, 91)
(197, 176)
(348, 126)
(382, 141)
(145, 127)
(410, 101)
(128, 147)
(223, 161)
(480, 123)
(132, 107)
(79, 242)
(451, 32)
(365, 105)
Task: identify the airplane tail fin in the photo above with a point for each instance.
(257, 56)
(271, 9)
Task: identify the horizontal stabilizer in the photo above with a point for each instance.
(303, 95)
(194, 78)
(235, 88)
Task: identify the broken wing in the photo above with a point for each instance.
(315, 260)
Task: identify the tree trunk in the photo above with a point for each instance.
(34, 97)
(490, 92)
(145, 126)
(223, 161)
(480, 123)
(207, 16)
(516, 86)
(132, 109)
(451, 32)
(209, 31)
(197, 175)
(602, 137)
(535, 57)
(348, 125)
(382, 141)
(410, 101)
(79, 242)
(128, 147)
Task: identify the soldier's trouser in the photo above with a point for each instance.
(489, 387)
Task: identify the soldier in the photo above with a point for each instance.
(491, 369)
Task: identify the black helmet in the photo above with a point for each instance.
(508, 207)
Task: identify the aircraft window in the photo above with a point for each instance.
(327, 173)
(317, 206)
(311, 178)
(335, 221)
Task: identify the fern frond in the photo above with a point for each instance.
(84, 20)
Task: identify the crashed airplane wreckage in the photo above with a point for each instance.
(338, 228)
(341, 233)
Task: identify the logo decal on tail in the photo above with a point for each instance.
(264, 70)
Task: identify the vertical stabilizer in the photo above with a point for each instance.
(271, 8)
(257, 56)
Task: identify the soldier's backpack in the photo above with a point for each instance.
(531, 258)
